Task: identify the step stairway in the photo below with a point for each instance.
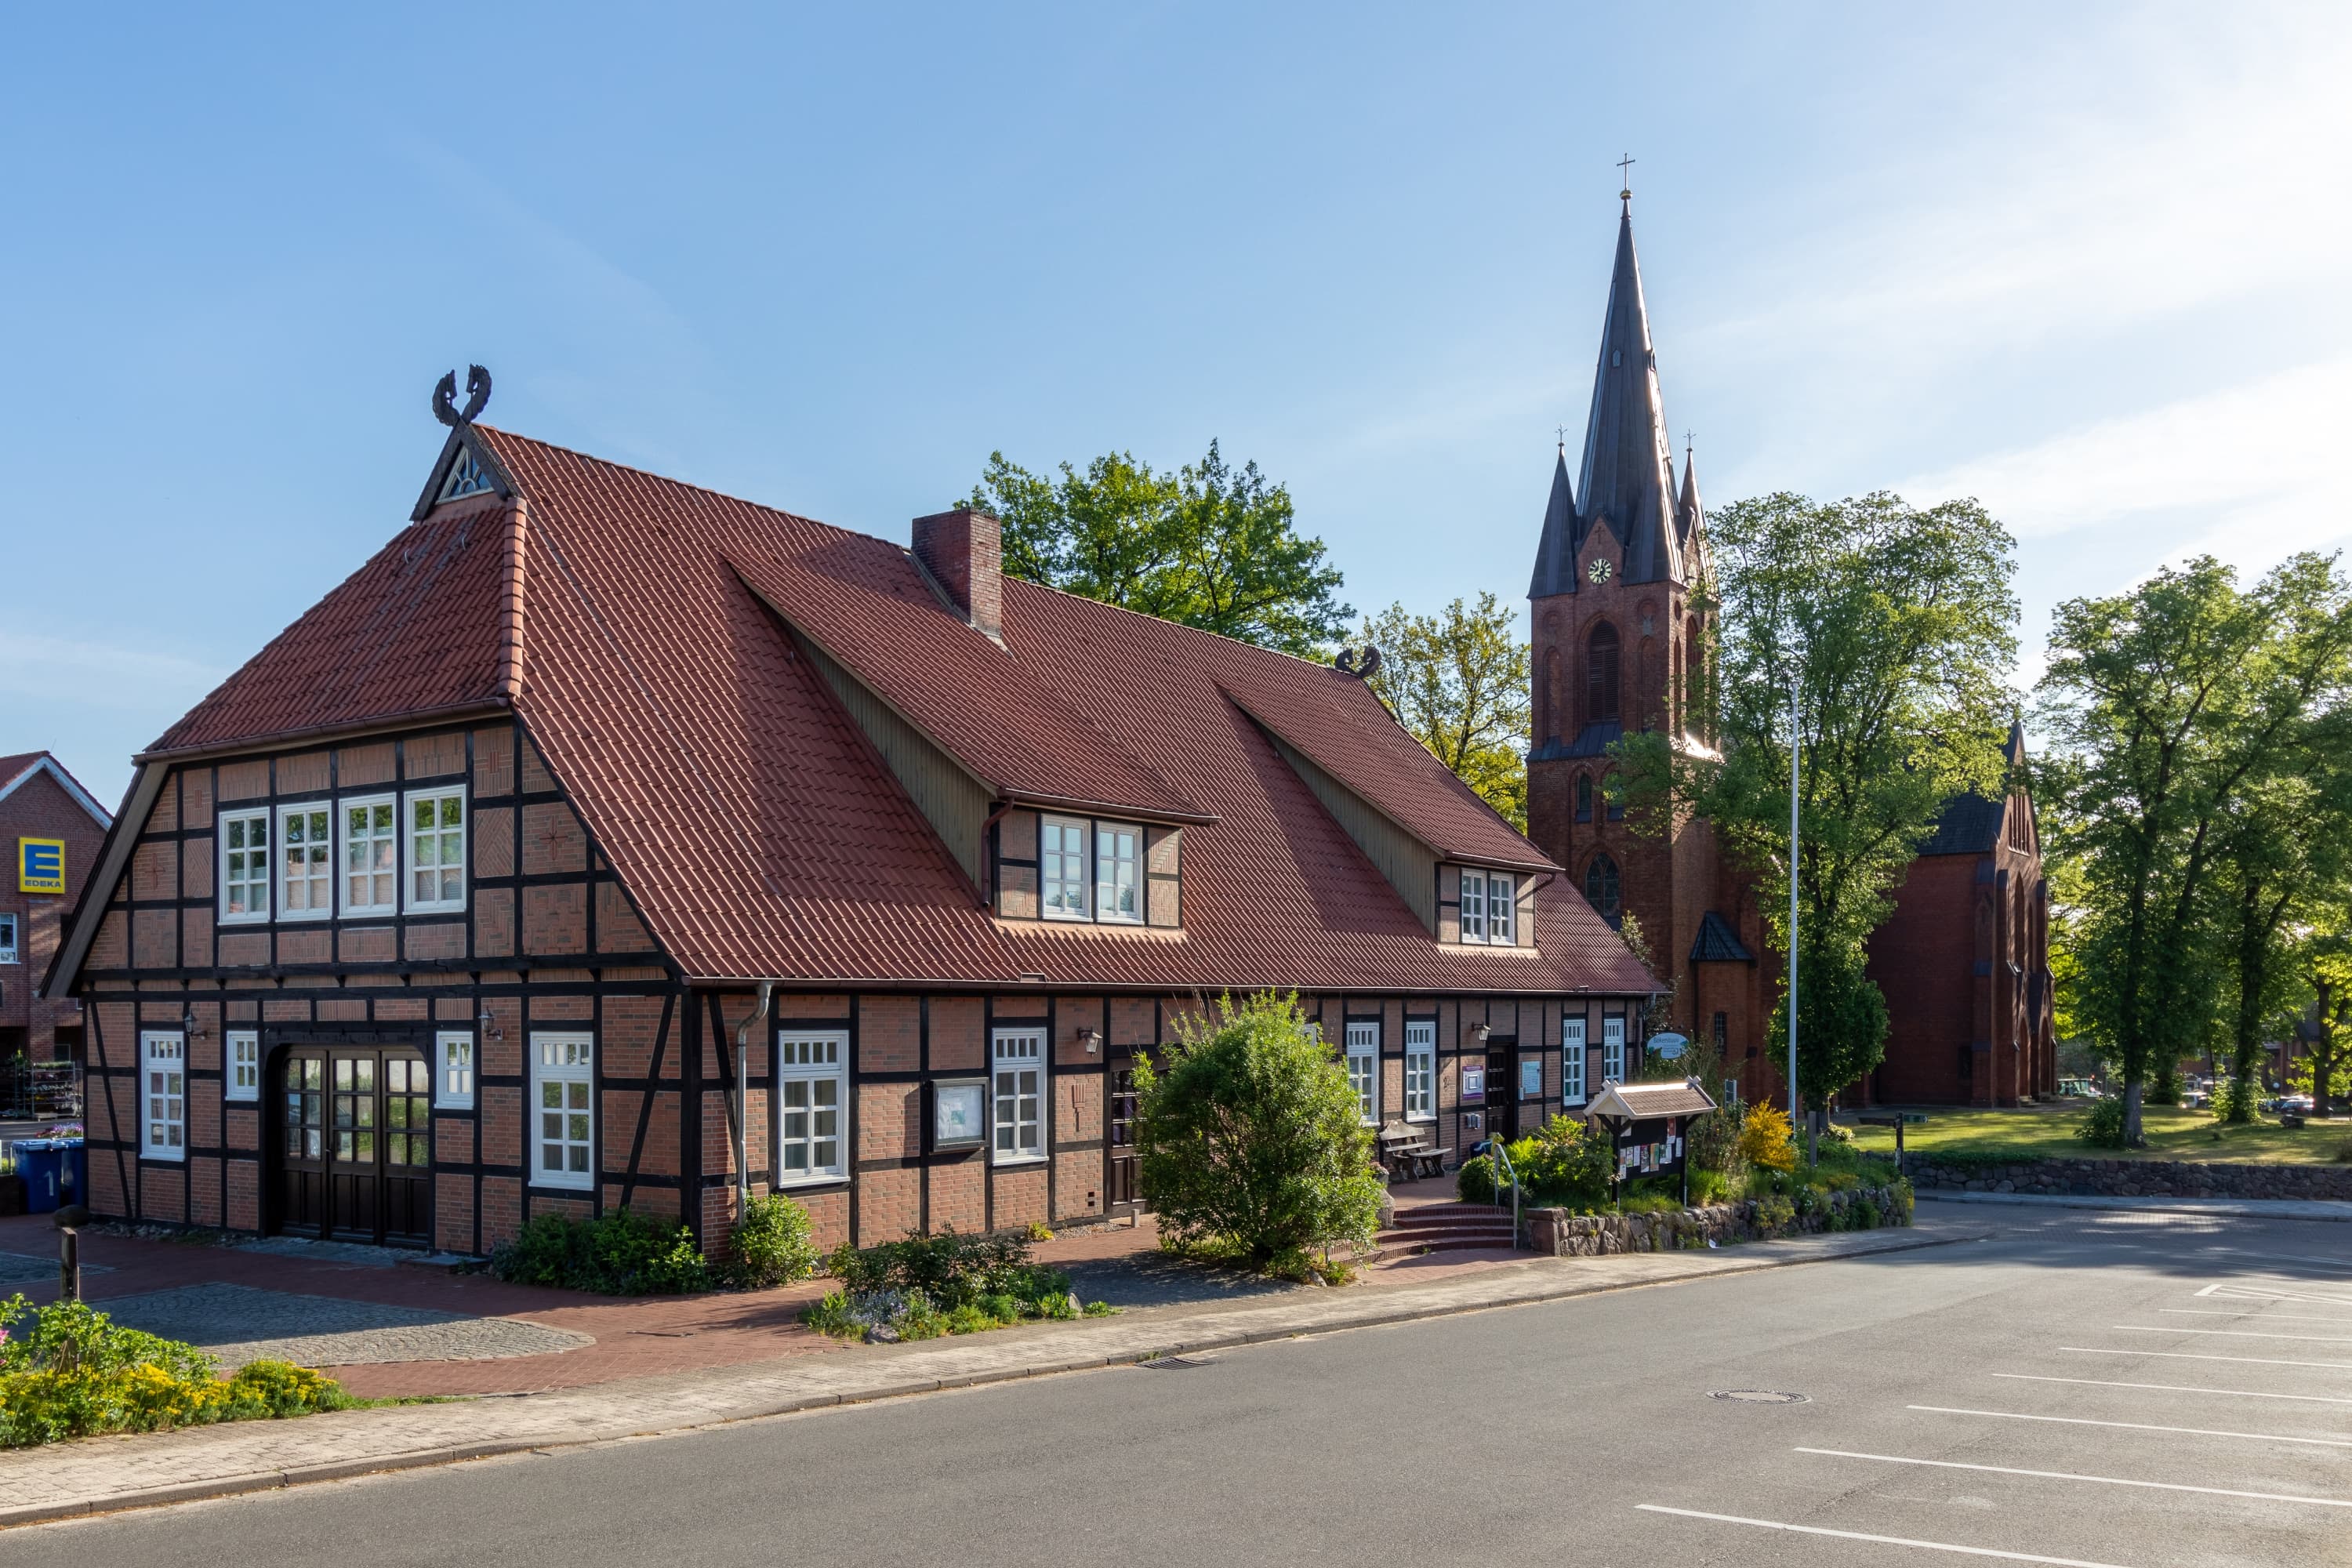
(1445, 1228)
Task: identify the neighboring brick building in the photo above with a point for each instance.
(44, 810)
(1621, 635)
(453, 905)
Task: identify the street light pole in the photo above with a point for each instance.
(1793, 743)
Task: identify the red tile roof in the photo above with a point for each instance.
(762, 835)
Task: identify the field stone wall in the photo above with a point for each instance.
(1560, 1234)
(2133, 1178)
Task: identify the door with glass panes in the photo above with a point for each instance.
(353, 1140)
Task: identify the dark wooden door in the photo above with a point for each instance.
(355, 1144)
(1122, 1194)
(1502, 1088)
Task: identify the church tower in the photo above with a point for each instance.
(1618, 647)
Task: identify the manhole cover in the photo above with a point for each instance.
(1171, 1363)
(1757, 1396)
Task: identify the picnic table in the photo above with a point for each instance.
(1406, 1152)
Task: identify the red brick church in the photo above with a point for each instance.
(1619, 645)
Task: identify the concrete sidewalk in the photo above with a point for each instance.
(99, 1475)
(2239, 1208)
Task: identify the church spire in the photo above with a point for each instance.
(1563, 536)
(1688, 513)
(1627, 481)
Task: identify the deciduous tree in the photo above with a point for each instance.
(1458, 682)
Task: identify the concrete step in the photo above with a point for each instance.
(1449, 1213)
(1409, 1242)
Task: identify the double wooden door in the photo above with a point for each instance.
(354, 1142)
(1123, 1192)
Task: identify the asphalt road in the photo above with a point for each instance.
(2088, 1388)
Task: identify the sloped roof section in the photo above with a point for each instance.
(21, 769)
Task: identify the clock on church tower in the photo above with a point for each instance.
(1598, 571)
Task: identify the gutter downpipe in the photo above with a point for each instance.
(743, 1097)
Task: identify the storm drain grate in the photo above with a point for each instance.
(1172, 1362)
(1757, 1396)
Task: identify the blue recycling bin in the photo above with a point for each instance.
(73, 1172)
(41, 1162)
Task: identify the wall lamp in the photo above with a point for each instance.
(1092, 1040)
(489, 1023)
(195, 1030)
(1482, 1033)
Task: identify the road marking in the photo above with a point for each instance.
(2265, 1317)
(2281, 1257)
(2179, 1388)
(2192, 1356)
(2136, 1425)
(1875, 1539)
(2249, 1293)
(2234, 1334)
(2073, 1476)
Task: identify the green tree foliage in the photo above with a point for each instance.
(1250, 1139)
(2174, 707)
(1895, 623)
(1204, 545)
(1458, 682)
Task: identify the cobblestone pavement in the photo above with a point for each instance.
(66, 1479)
(239, 1324)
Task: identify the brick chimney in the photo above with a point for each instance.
(963, 550)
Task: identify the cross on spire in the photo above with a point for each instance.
(1625, 177)
(1563, 437)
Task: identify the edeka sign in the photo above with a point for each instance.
(41, 866)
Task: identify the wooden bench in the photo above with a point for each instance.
(1406, 1154)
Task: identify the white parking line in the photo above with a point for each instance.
(2265, 1317)
(2234, 1333)
(2179, 1388)
(2252, 1293)
(2073, 1476)
(2136, 1425)
(2192, 1356)
(1875, 1540)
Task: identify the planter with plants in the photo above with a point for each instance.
(624, 1253)
(926, 1286)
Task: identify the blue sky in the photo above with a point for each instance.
(2084, 262)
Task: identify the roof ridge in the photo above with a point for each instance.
(505, 434)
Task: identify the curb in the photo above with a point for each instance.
(1374, 1315)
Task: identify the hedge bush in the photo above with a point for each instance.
(618, 1252)
(772, 1244)
(950, 1283)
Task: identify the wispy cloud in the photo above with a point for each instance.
(106, 675)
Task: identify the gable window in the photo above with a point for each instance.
(306, 860)
(245, 865)
(1502, 910)
(244, 1065)
(453, 1069)
(466, 478)
(1062, 869)
(163, 1069)
(1602, 890)
(7, 939)
(1584, 797)
(811, 1085)
(1017, 1093)
(1420, 1070)
(1612, 1051)
(1118, 872)
(371, 857)
(1473, 907)
(1600, 675)
(1363, 1050)
(562, 1079)
(1571, 1061)
(436, 849)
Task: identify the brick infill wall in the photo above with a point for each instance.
(2134, 1178)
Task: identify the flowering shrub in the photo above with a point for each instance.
(1765, 1138)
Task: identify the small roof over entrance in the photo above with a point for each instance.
(1644, 1101)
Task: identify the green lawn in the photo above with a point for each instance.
(2040, 1132)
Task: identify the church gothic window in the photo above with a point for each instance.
(1602, 890)
(1584, 797)
(1600, 675)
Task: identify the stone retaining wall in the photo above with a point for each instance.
(2134, 1178)
(1561, 1234)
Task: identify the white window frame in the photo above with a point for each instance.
(454, 1066)
(1613, 1049)
(285, 905)
(13, 928)
(344, 806)
(574, 1062)
(1011, 1053)
(1572, 1029)
(1421, 1070)
(1363, 1055)
(164, 1095)
(1502, 910)
(407, 855)
(807, 1059)
(241, 1049)
(1471, 900)
(1080, 882)
(1107, 869)
(269, 852)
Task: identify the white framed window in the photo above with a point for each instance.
(562, 1091)
(1062, 869)
(1363, 1053)
(8, 939)
(1017, 1095)
(244, 1046)
(436, 849)
(163, 1074)
(812, 1087)
(1571, 1059)
(1612, 1051)
(453, 1069)
(371, 854)
(244, 866)
(1420, 1070)
(1118, 872)
(1473, 907)
(1502, 910)
(306, 862)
